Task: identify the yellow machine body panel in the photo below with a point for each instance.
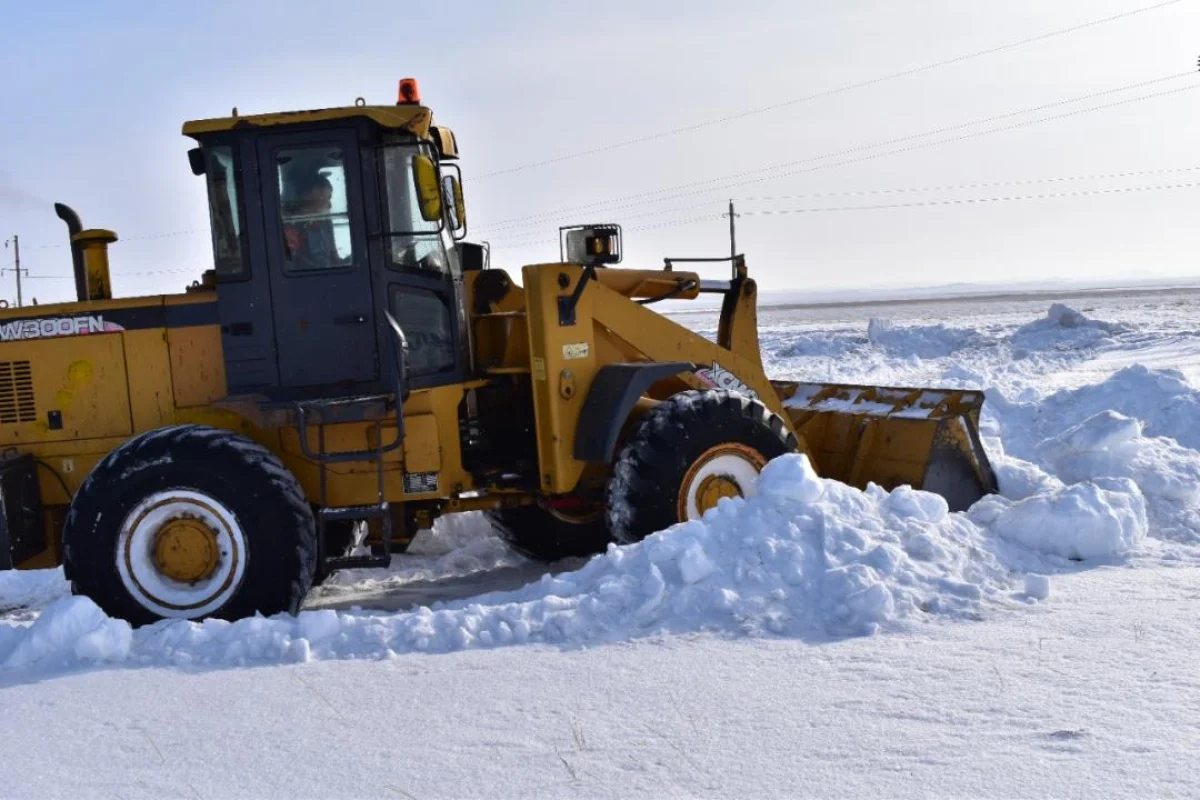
(925, 438)
(78, 380)
(52, 392)
(415, 119)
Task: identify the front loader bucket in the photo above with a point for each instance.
(925, 438)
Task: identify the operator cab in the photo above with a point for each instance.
(322, 220)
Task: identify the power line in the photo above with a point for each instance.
(888, 206)
(960, 201)
(731, 181)
(642, 198)
(913, 190)
(981, 185)
(166, 235)
(818, 95)
(116, 274)
(726, 182)
(669, 224)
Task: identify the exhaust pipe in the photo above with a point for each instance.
(74, 226)
(89, 254)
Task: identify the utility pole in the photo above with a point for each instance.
(732, 238)
(16, 243)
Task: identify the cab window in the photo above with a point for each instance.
(429, 328)
(414, 243)
(314, 210)
(224, 212)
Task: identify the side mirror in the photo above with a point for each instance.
(429, 194)
(455, 194)
(196, 161)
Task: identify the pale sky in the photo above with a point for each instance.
(94, 95)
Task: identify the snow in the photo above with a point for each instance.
(23, 593)
(1037, 586)
(72, 630)
(804, 557)
(1038, 644)
(1105, 517)
(1091, 694)
(931, 341)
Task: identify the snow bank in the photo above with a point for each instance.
(1111, 444)
(805, 557)
(30, 590)
(1086, 473)
(1063, 316)
(1105, 517)
(1063, 329)
(1139, 424)
(921, 341)
(827, 344)
(456, 546)
(70, 631)
(1063, 323)
(1163, 400)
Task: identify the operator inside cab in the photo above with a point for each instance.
(311, 223)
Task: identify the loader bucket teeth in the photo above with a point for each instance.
(890, 436)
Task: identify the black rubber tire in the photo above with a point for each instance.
(241, 474)
(642, 496)
(536, 533)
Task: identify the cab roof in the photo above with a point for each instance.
(411, 118)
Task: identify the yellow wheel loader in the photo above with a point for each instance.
(351, 368)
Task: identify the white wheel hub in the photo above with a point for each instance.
(181, 554)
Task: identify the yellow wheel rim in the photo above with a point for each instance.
(186, 550)
(713, 488)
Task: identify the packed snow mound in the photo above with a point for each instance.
(921, 341)
(23, 592)
(1094, 519)
(1139, 424)
(796, 345)
(458, 545)
(1110, 444)
(454, 533)
(1063, 332)
(1162, 399)
(1062, 317)
(70, 631)
(1016, 478)
(804, 557)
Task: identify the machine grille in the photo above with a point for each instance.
(16, 392)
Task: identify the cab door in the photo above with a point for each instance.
(320, 280)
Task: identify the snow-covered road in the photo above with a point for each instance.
(1038, 645)
(1091, 694)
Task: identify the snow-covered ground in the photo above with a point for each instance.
(812, 640)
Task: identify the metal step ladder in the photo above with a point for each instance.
(318, 413)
